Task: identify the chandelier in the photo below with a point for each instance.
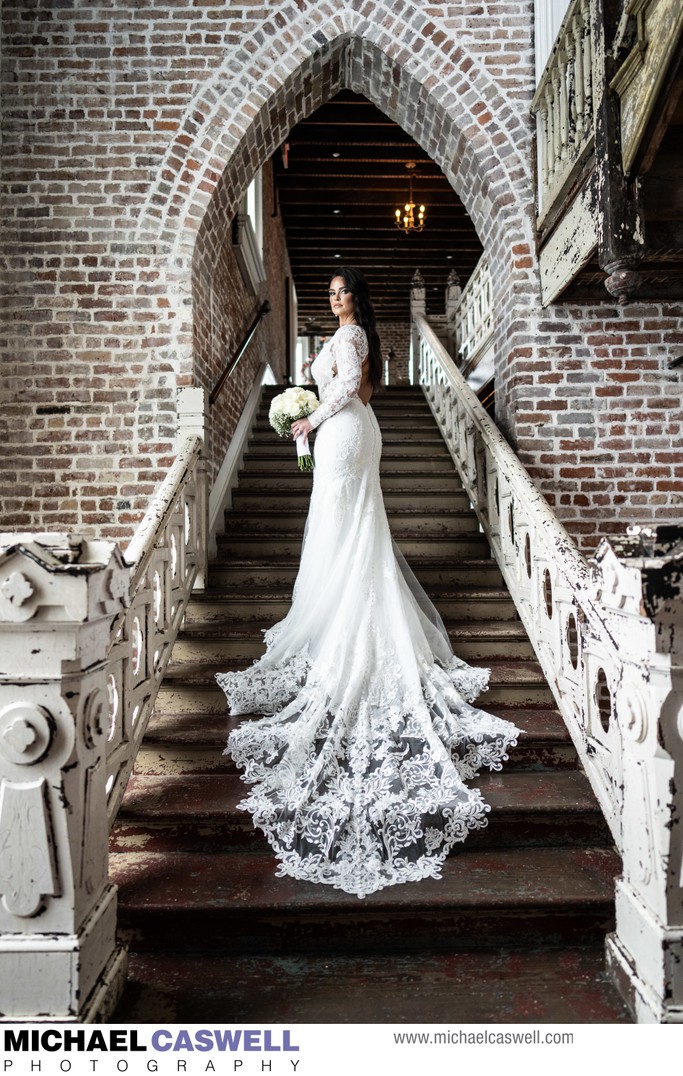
(407, 219)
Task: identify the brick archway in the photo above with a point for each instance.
(436, 90)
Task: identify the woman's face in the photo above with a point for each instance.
(341, 299)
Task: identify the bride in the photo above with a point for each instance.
(359, 769)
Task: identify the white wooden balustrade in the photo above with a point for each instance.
(563, 105)
(609, 638)
(473, 316)
(166, 558)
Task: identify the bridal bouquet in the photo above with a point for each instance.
(285, 409)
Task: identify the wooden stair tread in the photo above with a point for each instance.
(304, 477)
(539, 724)
(187, 796)
(502, 672)
(234, 628)
(519, 877)
(269, 593)
(531, 986)
(260, 536)
(421, 559)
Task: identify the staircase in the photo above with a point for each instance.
(512, 933)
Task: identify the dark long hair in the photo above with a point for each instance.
(365, 316)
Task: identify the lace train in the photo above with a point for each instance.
(368, 798)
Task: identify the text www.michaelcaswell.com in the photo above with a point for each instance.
(484, 1038)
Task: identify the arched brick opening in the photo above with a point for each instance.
(438, 93)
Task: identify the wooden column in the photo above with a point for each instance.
(620, 220)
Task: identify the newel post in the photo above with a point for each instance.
(193, 421)
(418, 306)
(453, 295)
(59, 958)
(640, 581)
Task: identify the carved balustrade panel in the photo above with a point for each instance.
(165, 565)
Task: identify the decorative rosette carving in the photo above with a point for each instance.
(18, 598)
(26, 733)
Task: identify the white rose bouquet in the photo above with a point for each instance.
(295, 402)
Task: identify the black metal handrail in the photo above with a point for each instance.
(239, 352)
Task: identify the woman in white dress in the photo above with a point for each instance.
(359, 769)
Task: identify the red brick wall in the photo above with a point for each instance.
(224, 310)
(599, 415)
(131, 130)
(395, 336)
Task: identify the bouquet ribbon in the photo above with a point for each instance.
(303, 452)
(302, 445)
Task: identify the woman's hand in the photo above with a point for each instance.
(301, 428)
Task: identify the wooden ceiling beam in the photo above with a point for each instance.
(339, 190)
(384, 239)
(366, 180)
(383, 233)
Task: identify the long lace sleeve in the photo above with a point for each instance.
(350, 348)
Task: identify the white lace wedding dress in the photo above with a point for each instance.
(359, 770)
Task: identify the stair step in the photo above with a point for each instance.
(400, 448)
(414, 524)
(299, 482)
(169, 758)
(395, 393)
(224, 640)
(430, 571)
(400, 406)
(486, 897)
(246, 501)
(266, 606)
(190, 812)
(390, 421)
(269, 546)
(409, 438)
(390, 464)
(192, 688)
(159, 756)
(194, 742)
(380, 400)
(557, 986)
(541, 727)
(177, 795)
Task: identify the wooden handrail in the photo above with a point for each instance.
(230, 366)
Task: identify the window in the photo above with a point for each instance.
(247, 237)
(548, 16)
(254, 208)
